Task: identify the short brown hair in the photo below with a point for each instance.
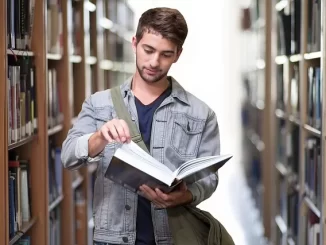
(168, 22)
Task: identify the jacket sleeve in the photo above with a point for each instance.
(210, 145)
(74, 152)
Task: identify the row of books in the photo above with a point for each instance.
(54, 27)
(283, 90)
(312, 229)
(118, 11)
(80, 217)
(290, 215)
(55, 113)
(314, 26)
(19, 193)
(289, 27)
(55, 227)
(20, 20)
(314, 94)
(289, 206)
(74, 27)
(295, 91)
(22, 113)
(55, 172)
(314, 97)
(313, 171)
(118, 19)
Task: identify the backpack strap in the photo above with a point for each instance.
(123, 114)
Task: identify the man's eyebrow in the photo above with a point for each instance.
(147, 46)
(150, 47)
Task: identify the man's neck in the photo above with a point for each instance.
(146, 92)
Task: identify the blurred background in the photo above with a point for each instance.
(259, 64)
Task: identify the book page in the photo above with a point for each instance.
(133, 149)
(192, 162)
(196, 165)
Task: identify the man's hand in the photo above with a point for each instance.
(181, 196)
(114, 130)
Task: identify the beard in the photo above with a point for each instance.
(150, 78)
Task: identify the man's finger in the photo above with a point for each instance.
(162, 195)
(126, 130)
(106, 135)
(113, 132)
(120, 131)
(152, 196)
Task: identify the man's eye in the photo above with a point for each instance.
(167, 55)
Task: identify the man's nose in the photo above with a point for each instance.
(155, 61)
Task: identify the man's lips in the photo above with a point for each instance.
(151, 72)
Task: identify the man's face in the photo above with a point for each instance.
(154, 56)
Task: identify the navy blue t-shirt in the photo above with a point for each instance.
(144, 223)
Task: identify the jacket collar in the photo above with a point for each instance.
(177, 92)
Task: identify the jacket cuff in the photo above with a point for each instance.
(81, 150)
(196, 194)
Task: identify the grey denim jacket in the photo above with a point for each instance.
(183, 128)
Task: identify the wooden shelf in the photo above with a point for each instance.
(91, 60)
(312, 56)
(281, 224)
(54, 130)
(50, 56)
(77, 182)
(283, 170)
(26, 227)
(75, 59)
(55, 203)
(21, 142)
(20, 52)
(280, 114)
(312, 206)
(295, 120)
(312, 130)
(280, 60)
(295, 58)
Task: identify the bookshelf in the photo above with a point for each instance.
(75, 49)
(295, 65)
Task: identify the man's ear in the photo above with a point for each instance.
(178, 55)
(134, 44)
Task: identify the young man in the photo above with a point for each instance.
(174, 124)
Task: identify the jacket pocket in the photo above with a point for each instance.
(103, 115)
(186, 134)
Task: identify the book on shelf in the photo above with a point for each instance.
(314, 97)
(22, 116)
(55, 174)
(19, 194)
(55, 114)
(20, 21)
(132, 167)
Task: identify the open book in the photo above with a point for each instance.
(131, 167)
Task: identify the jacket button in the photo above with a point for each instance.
(127, 207)
(125, 239)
